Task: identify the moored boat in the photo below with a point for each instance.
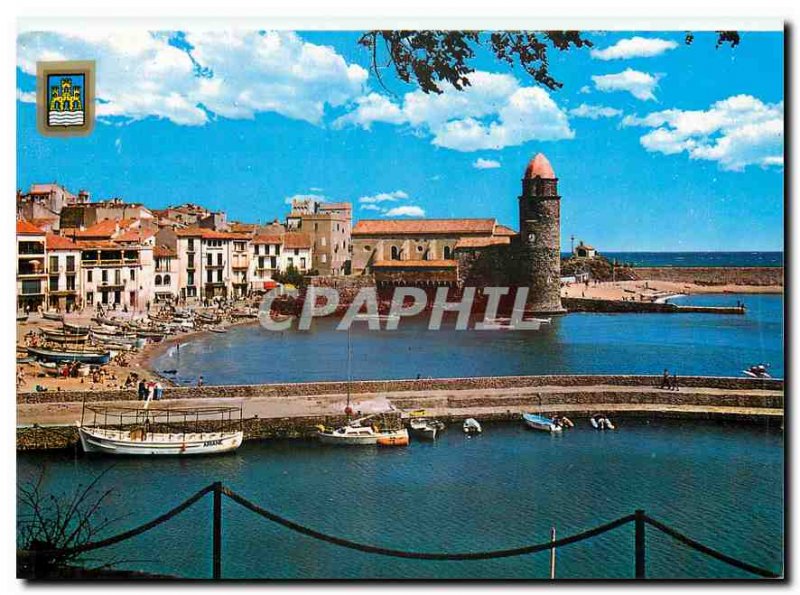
(600, 421)
(159, 432)
(22, 317)
(427, 429)
(52, 316)
(757, 371)
(539, 422)
(79, 329)
(471, 426)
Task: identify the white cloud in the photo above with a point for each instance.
(481, 163)
(26, 96)
(735, 132)
(492, 113)
(406, 211)
(585, 89)
(142, 74)
(634, 47)
(383, 197)
(594, 112)
(637, 83)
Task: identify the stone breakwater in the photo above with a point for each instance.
(300, 389)
(755, 276)
(292, 410)
(633, 307)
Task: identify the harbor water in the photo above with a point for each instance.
(580, 343)
(719, 484)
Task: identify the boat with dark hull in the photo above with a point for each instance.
(85, 356)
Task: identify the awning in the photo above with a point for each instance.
(270, 285)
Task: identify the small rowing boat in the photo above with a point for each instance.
(86, 356)
(600, 421)
(471, 426)
(538, 422)
(426, 429)
(53, 316)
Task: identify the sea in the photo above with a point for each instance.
(717, 483)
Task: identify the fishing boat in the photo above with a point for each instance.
(53, 316)
(49, 368)
(424, 428)
(471, 426)
(538, 422)
(22, 317)
(60, 336)
(600, 421)
(169, 431)
(86, 356)
(218, 329)
(78, 329)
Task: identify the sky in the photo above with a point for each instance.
(658, 145)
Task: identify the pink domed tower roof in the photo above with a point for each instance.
(539, 167)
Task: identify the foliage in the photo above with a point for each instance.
(599, 268)
(46, 523)
(291, 276)
(435, 57)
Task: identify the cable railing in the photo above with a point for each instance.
(639, 519)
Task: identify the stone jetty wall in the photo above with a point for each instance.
(632, 307)
(384, 386)
(758, 276)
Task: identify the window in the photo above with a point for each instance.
(290, 261)
(54, 263)
(261, 262)
(89, 298)
(302, 263)
(273, 262)
(296, 252)
(367, 248)
(54, 283)
(191, 245)
(88, 276)
(118, 277)
(209, 259)
(70, 264)
(209, 277)
(219, 258)
(190, 279)
(158, 279)
(277, 250)
(31, 286)
(395, 253)
(133, 274)
(104, 276)
(166, 279)
(219, 276)
(70, 282)
(448, 253)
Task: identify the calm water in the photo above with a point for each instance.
(688, 344)
(698, 259)
(720, 484)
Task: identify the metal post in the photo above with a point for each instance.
(640, 544)
(552, 554)
(217, 551)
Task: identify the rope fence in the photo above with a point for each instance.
(639, 518)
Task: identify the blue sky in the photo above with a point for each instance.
(658, 145)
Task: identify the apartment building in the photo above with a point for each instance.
(31, 266)
(265, 260)
(166, 288)
(205, 263)
(297, 251)
(64, 289)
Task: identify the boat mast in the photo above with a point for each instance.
(347, 409)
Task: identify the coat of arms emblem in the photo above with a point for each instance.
(65, 98)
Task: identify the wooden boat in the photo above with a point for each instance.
(538, 422)
(21, 317)
(70, 355)
(76, 328)
(471, 426)
(393, 438)
(424, 428)
(53, 316)
(217, 329)
(59, 336)
(158, 432)
(49, 368)
(600, 421)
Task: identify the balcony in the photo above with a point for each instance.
(116, 262)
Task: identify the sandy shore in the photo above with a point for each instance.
(650, 291)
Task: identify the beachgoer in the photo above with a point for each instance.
(200, 380)
(674, 383)
(159, 390)
(142, 390)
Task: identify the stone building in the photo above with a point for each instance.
(584, 251)
(165, 281)
(44, 202)
(329, 227)
(64, 288)
(31, 266)
(265, 260)
(297, 252)
(205, 263)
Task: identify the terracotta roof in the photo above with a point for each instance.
(482, 242)
(190, 232)
(296, 239)
(26, 228)
(423, 226)
(414, 264)
(163, 251)
(104, 228)
(98, 244)
(43, 222)
(539, 167)
(268, 239)
(54, 242)
(504, 230)
(47, 189)
(208, 234)
(135, 235)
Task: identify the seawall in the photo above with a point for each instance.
(756, 276)
(618, 306)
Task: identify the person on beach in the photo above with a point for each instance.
(142, 390)
(674, 383)
(200, 380)
(159, 391)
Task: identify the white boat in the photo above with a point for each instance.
(139, 442)
(362, 436)
(538, 422)
(159, 432)
(217, 329)
(758, 371)
(424, 428)
(471, 426)
(601, 422)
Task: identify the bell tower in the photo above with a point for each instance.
(540, 236)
